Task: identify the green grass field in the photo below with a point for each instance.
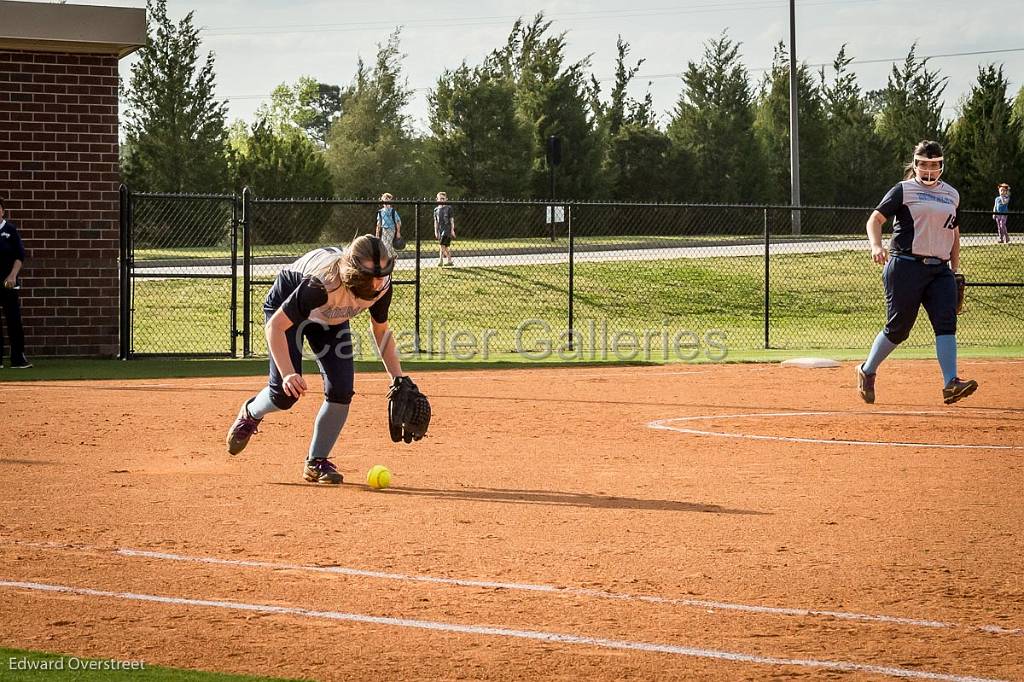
(16, 664)
(818, 301)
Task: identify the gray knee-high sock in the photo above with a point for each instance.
(260, 406)
(329, 423)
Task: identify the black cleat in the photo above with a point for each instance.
(958, 389)
(865, 385)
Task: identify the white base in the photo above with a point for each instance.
(810, 363)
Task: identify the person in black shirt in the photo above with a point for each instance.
(444, 228)
(12, 257)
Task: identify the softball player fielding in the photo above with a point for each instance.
(313, 299)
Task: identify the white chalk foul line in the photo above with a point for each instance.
(549, 589)
(537, 635)
(666, 425)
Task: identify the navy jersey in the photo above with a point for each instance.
(304, 297)
(924, 218)
(11, 248)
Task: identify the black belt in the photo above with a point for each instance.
(927, 260)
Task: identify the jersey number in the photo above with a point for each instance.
(949, 221)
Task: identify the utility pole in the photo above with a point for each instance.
(794, 123)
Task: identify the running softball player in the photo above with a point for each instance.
(313, 299)
(924, 254)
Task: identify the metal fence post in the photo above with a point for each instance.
(572, 258)
(246, 273)
(416, 336)
(235, 212)
(767, 281)
(124, 328)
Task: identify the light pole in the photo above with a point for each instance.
(794, 123)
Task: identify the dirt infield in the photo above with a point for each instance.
(557, 524)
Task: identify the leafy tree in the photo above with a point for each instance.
(772, 128)
(1018, 112)
(552, 99)
(713, 123)
(910, 109)
(985, 141)
(175, 137)
(481, 144)
(371, 148)
(639, 161)
(855, 158)
(307, 104)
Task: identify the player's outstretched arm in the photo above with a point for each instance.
(387, 348)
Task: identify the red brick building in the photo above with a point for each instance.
(59, 166)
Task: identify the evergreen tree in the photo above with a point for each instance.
(639, 161)
(910, 109)
(484, 148)
(713, 123)
(771, 126)
(985, 141)
(281, 164)
(552, 99)
(371, 148)
(857, 162)
(175, 136)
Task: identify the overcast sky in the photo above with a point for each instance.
(261, 43)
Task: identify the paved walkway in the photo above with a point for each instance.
(270, 270)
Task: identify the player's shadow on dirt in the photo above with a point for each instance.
(551, 497)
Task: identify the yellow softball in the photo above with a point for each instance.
(378, 477)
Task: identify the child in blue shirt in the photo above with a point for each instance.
(389, 223)
(999, 212)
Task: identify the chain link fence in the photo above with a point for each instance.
(632, 281)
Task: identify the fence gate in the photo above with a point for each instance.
(180, 273)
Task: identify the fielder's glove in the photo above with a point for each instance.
(408, 411)
(961, 287)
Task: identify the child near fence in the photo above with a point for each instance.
(1000, 211)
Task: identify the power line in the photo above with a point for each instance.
(653, 76)
(461, 22)
(855, 61)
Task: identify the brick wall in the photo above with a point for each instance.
(59, 177)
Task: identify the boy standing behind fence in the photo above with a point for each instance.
(999, 212)
(444, 228)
